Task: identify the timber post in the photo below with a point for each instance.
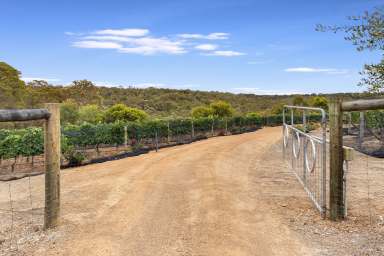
(169, 133)
(52, 153)
(336, 186)
(193, 129)
(361, 130)
(125, 136)
(226, 126)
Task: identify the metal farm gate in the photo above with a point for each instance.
(305, 152)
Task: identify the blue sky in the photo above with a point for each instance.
(262, 47)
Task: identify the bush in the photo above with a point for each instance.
(73, 157)
(121, 112)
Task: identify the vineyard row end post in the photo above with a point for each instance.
(361, 130)
(336, 196)
(52, 152)
(125, 136)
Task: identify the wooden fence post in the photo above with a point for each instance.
(212, 131)
(226, 126)
(361, 130)
(169, 133)
(125, 136)
(336, 191)
(193, 129)
(52, 152)
(156, 141)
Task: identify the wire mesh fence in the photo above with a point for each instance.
(365, 179)
(21, 194)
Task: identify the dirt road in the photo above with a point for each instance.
(206, 198)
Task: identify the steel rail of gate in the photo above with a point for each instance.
(307, 154)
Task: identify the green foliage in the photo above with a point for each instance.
(84, 92)
(11, 146)
(12, 88)
(121, 112)
(74, 138)
(319, 102)
(299, 101)
(69, 113)
(73, 156)
(373, 77)
(375, 122)
(32, 142)
(366, 32)
(253, 115)
(201, 111)
(90, 114)
(277, 109)
(157, 102)
(221, 109)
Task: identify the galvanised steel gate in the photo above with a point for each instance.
(306, 153)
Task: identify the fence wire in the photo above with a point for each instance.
(365, 179)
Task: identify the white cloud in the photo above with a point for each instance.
(316, 70)
(132, 32)
(149, 46)
(211, 36)
(97, 45)
(226, 53)
(137, 41)
(206, 47)
(30, 79)
(258, 91)
(109, 38)
(142, 45)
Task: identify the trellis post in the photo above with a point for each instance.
(192, 129)
(125, 136)
(169, 133)
(361, 129)
(52, 152)
(226, 126)
(336, 191)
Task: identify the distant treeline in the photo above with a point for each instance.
(157, 102)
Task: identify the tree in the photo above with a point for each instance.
(90, 114)
(12, 88)
(221, 109)
(319, 102)
(201, 111)
(366, 33)
(277, 109)
(375, 124)
(69, 113)
(299, 101)
(121, 112)
(84, 92)
(39, 92)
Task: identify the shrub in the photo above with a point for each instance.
(121, 112)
